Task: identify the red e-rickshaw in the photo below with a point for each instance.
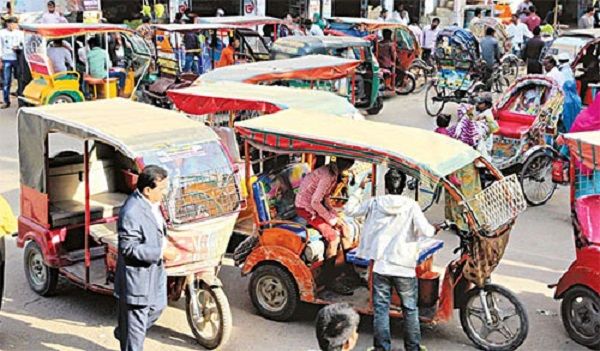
(79, 163)
(286, 257)
(579, 287)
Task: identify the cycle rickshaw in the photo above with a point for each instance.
(528, 115)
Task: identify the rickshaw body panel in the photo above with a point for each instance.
(289, 260)
(585, 270)
(47, 239)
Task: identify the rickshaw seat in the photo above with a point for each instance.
(512, 124)
(72, 212)
(588, 215)
(105, 233)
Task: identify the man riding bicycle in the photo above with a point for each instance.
(490, 52)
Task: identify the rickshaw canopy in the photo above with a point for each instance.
(307, 45)
(312, 67)
(431, 155)
(72, 29)
(585, 146)
(132, 128)
(213, 97)
(194, 27)
(371, 24)
(460, 39)
(246, 21)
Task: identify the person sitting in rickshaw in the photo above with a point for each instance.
(313, 205)
(228, 54)
(60, 57)
(99, 64)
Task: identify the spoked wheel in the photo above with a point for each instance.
(433, 106)
(273, 292)
(406, 85)
(580, 311)
(511, 71)
(212, 324)
(507, 326)
(420, 75)
(377, 106)
(536, 179)
(500, 85)
(41, 278)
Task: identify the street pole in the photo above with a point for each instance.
(555, 24)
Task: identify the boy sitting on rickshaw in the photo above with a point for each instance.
(313, 205)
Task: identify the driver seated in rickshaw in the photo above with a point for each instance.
(100, 66)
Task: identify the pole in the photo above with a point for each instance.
(107, 85)
(87, 219)
(555, 24)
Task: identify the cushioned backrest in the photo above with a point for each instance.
(260, 200)
(509, 116)
(588, 214)
(66, 182)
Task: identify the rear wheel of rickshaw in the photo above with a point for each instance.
(509, 324)
(406, 85)
(580, 311)
(420, 75)
(41, 278)
(536, 179)
(273, 292)
(377, 107)
(213, 324)
(433, 107)
(62, 99)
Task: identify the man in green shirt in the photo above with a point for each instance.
(98, 63)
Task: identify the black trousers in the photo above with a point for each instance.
(134, 322)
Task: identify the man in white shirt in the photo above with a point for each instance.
(552, 71)
(52, 16)
(11, 39)
(60, 57)
(517, 32)
(523, 9)
(430, 34)
(416, 30)
(564, 66)
(587, 20)
(389, 237)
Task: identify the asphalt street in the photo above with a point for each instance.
(540, 250)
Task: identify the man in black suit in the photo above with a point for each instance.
(140, 279)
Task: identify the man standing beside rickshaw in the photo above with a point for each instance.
(11, 40)
(390, 234)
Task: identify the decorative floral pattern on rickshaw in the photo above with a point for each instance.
(468, 182)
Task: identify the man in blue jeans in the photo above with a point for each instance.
(11, 39)
(389, 237)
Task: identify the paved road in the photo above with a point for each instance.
(540, 249)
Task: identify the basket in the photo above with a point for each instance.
(499, 203)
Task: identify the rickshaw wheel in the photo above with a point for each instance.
(473, 320)
(406, 86)
(580, 312)
(377, 107)
(434, 108)
(212, 328)
(41, 278)
(420, 77)
(273, 292)
(536, 179)
(62, 99)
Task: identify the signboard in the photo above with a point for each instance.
(314, 6)
(249, 8)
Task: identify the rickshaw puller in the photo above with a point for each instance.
(141, 278)
(390, 234)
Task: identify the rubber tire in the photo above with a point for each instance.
(226, 327)
(49, 286)
(522, 173)
(474, 293)
(429, 109)
(288, 282)
(411, 85)
(68, 99)
(419, 71)
(568, 298)
(377, 107)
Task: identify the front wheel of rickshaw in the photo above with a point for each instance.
(434, 107)
(212, 324)
(377, 106)
(536, 179)
(507, 326)
(273, 292)
(41, 278)
(580, 312)
(420, 74)
(62, 99)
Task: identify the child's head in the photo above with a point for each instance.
(443, 120)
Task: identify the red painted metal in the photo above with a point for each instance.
(585, 270)
(86, 230)
(286, 258)
(34, 205)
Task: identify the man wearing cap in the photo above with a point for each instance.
(11, 40)
(52, 16)
(552, 70)
(564, 66)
